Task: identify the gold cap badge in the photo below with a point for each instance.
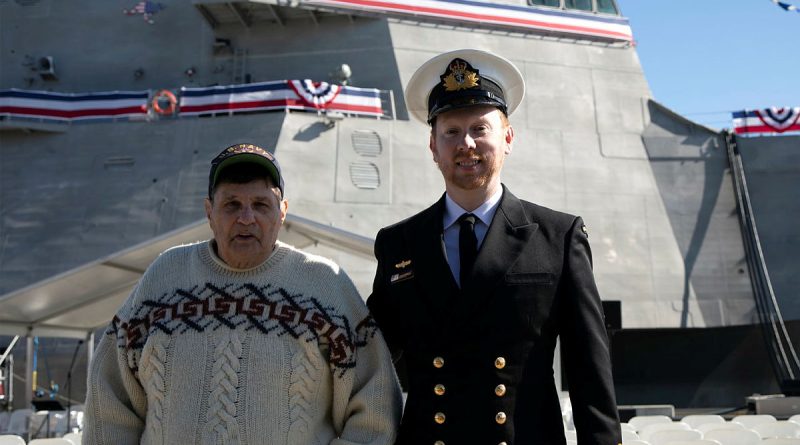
(460, 76)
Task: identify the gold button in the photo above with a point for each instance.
(438, 390)
(439, 418)
(499, 363)
(500, 418)
(438, 442)
(500, 390)
(438, 362)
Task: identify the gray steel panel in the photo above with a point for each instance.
(346, 188)
(772, 170)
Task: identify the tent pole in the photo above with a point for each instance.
(29, 371)
(89, 351)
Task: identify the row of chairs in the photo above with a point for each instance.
(718, 437)
(30, 424)
(15, 422)
(696, 420)
(741, 430)
(773, 441)
(68, 439)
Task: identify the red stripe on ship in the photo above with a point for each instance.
(447, 13)
(282, 103)
(70, 114)
(764, 129)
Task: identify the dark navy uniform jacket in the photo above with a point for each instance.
(479, 361)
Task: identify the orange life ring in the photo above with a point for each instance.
(170, 109)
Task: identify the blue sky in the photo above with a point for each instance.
(706, 58)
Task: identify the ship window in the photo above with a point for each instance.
(607, 7)
(554, 3)
(583, 5)
(599, 6)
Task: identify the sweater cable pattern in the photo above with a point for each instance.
(306, 368)
(221, 426)
(154, 359)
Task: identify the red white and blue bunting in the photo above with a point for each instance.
(280, 95)
(471, 12)
(303, 95)
(46, 105)
(767, 120)
(318, 94)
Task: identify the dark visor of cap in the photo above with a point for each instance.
(487, 93)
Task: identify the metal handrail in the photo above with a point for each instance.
(8, 349)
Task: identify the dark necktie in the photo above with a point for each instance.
(467, 246)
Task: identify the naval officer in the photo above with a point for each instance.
(473, 291)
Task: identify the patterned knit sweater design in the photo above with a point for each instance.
(284, 353)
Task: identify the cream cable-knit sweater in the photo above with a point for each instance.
(284, 353)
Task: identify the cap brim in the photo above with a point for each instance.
(498, 69)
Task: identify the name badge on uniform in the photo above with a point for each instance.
(398, 277)
(403, 274)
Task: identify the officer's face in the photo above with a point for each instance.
(245, 219)
(470, 145)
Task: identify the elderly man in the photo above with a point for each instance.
(474, 291)
(242, 339)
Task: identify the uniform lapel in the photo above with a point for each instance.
(506, 239)
(433, 272)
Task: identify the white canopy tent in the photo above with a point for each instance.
(81, 300)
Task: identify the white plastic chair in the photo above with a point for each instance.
(795, 418)
(571, 435)
(18, 423)
(53, 441)
(666, 436)
(10, 439)
(751, 420)
(695, 420)
(625, 426)
(76, 421)
(706, 427)
(75, 438)
(5, 416)
(780, 441)
(648, 430)
(778, 429)
(635, 442)
(639, 422)
(695, 442)
(40, 424)
(629, 435)
(734, 437)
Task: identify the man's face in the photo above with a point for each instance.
(245, 219)
(470, 145)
